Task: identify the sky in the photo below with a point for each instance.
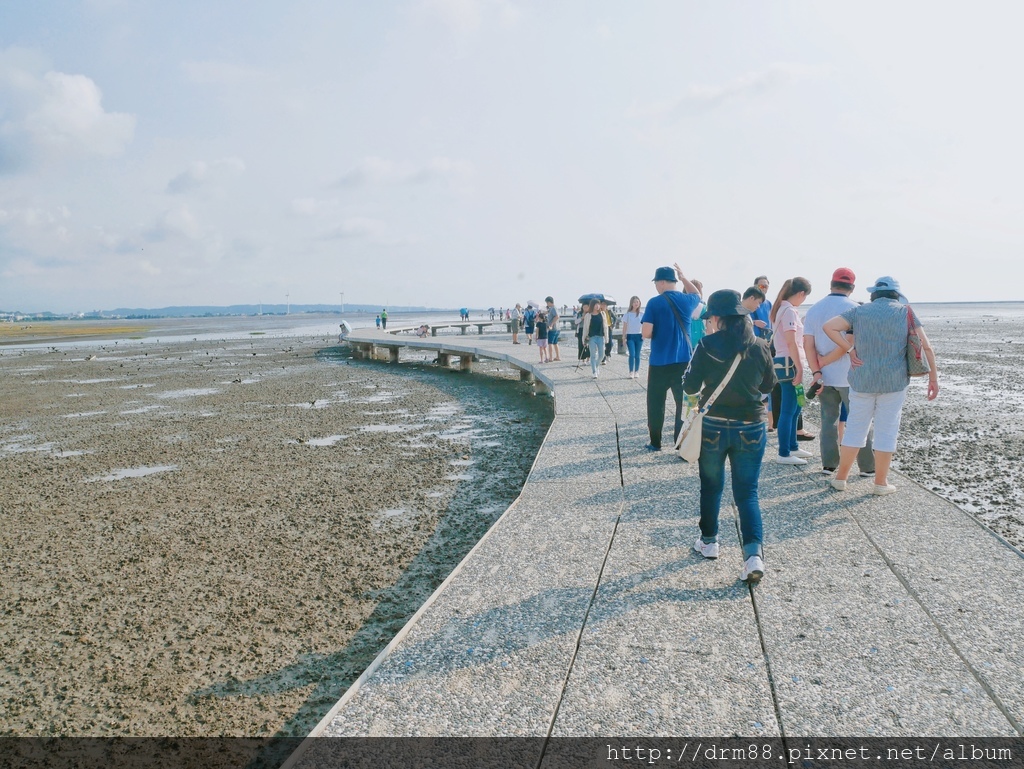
(453, 153)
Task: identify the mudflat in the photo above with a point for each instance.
(215, 538)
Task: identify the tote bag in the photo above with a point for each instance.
(917, 363)
(688, 442)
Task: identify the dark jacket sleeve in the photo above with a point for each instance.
(769, 380)
(693, 379)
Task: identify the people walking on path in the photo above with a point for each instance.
(788, 336)
(384, 319)
(632, 335)
(609, 319)
(876, 340)
(377, 321)
(595, 335)
(733, 426)
(830, 366)
(666, 322)
(761, 317)
(697, 329)
(554, 354)
(516, 317)
(529, 319)
(542, 337)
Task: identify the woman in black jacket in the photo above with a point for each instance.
(734, 425)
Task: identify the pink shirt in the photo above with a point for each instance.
(787, 319)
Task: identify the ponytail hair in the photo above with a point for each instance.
(790, 287)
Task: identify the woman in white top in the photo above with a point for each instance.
(788, 335)
(632, 335)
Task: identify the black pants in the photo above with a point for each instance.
(661, 379)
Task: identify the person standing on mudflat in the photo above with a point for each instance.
(666, 323)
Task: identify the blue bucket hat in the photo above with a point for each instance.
(665, 273)
(888, 283)
(885, 283)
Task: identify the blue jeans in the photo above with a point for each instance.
(596, 344)
(634, 343)
(789, 415)
(743, 443)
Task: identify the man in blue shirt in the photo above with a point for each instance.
(666, 322)
(761, 316)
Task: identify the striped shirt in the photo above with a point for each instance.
(880, 334)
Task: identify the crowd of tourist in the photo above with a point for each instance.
(749, 365)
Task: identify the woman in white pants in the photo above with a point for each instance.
(877, 341)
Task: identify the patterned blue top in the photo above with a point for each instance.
(880, 333)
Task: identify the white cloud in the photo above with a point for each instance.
(221, 73)
(313, 206)
(34, 217)
(200, 173)
(53, 115)
(466, 17)
(355, 227)
(175, 223)
(376, 171)
(703, 98)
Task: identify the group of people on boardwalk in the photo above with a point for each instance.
(539, 323)
(739, 357)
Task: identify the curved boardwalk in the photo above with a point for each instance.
(585, 611)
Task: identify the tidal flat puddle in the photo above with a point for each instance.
(133, 472)
(188, 393)
(389, 428)
(143, 409)
(18, 446)
(329, 440)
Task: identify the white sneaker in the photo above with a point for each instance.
(801, 453)
(595, 375)
(837, 484)
(753, 570)
(790, 460)
(706, 549)
(883, 490)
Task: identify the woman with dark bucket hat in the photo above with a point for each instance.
(734, 426)
(877, 343)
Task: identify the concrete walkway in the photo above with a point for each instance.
(584, 611)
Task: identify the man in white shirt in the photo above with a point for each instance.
(835, 390)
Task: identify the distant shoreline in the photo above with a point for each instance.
(279, 311)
